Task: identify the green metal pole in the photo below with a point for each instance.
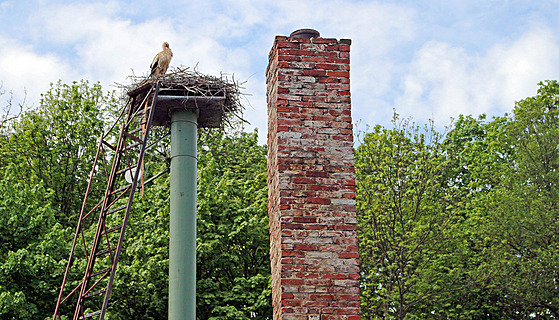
(182, 247)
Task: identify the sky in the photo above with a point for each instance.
(423, 59)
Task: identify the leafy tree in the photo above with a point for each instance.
(232, 257)
(45, 159)
(522, 211)
(55, 143)
(498, 179)
(140, 289)
(406, 209)
(233, 244)
(32, 245)
(45, 152)
(476, 163)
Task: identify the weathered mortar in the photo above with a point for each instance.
(311, 181)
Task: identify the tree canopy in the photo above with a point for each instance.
(458, 224)
(462, 224)
(45, 159)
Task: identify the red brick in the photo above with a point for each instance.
(318, 149)
(315, 73)
(287, 109)
(344, 67)
(321, 297)
(344, 47)
(313, 237)
(348, 255)
(311, 173)
(313, 59)
(292, 281)
(315, 304)
(343, 137)
(292, 226)
(327, 66)
(346, 227)
(306, 247)
(287, 310)
(328, 80)
(290, 303)
(335, 275)
(347, 311)
(283, 44)
(338, 60)
(353, 297)
(288, 58)
(303, 180)
(287, 260)
(291, 253)
(339, 74)
(287, 51)
(287, 295)
(304, 219)
(315, 227)
(324, 40)
(318, 200)
(354, 276)
(318, 187)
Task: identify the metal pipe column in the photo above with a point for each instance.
(182, 247)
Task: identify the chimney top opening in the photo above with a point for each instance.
(305, 34)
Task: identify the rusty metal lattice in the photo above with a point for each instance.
(99, 236)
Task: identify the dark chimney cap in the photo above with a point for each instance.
(305, 34)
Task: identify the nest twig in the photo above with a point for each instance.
(198, 84)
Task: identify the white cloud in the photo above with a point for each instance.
(522, 64)
(445, 81)
(106, 47)
(25, 71)
(398, 58)
(376, 30)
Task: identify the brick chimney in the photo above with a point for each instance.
(311, 179)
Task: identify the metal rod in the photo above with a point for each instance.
(128, 208)
(182, 248)
(77, 233)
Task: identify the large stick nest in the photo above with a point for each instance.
(194, 83)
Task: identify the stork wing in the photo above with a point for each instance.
(154, 63)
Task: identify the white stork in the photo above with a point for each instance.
(161, 61)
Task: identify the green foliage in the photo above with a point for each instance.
(406, 208)
(496, 254)
(522, 211)
(46, 155)
(233, 244)
(463, 225)
(55, 143)
(32, 242)
(43, 168)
